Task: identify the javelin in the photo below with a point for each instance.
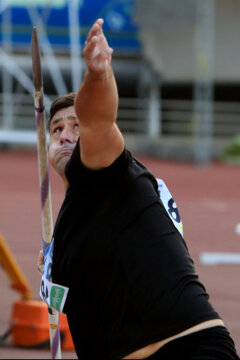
(46, 206)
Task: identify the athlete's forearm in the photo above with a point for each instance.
(97, 100)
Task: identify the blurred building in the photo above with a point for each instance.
(168, 56)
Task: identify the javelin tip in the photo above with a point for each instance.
(36, 61)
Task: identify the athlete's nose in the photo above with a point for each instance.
(67, 135)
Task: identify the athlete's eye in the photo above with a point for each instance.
(57, 130)
(76, 126)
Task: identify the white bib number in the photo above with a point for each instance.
(170, 205)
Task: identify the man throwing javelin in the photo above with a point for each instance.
(133, 290)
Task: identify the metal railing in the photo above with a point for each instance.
(177, 116)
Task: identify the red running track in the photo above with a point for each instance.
(209, 203)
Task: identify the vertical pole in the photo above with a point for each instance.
(148, 89)
(75, 45)
(7, 79)
(203, 88)
(154, 122)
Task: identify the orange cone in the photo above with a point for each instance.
(30, 326)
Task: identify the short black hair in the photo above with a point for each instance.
(60, 103)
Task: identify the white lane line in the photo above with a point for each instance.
(211, 258)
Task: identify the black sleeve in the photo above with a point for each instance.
(76, 173)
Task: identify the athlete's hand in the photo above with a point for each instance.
(97, 52)
(40, 262)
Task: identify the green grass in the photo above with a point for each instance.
(232, 152)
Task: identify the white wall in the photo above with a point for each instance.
(169, 45)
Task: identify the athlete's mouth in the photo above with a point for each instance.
(65, 150)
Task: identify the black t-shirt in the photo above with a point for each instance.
(130, 277)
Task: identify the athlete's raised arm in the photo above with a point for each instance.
(96, 104)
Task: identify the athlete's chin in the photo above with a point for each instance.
(60, 165)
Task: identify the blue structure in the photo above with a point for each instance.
(119, 26)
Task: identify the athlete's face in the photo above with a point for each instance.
(64, 133)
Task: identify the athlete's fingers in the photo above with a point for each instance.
(93, 33)
(100, 22)
(110, 51)
(95, 30)
(89, 48)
